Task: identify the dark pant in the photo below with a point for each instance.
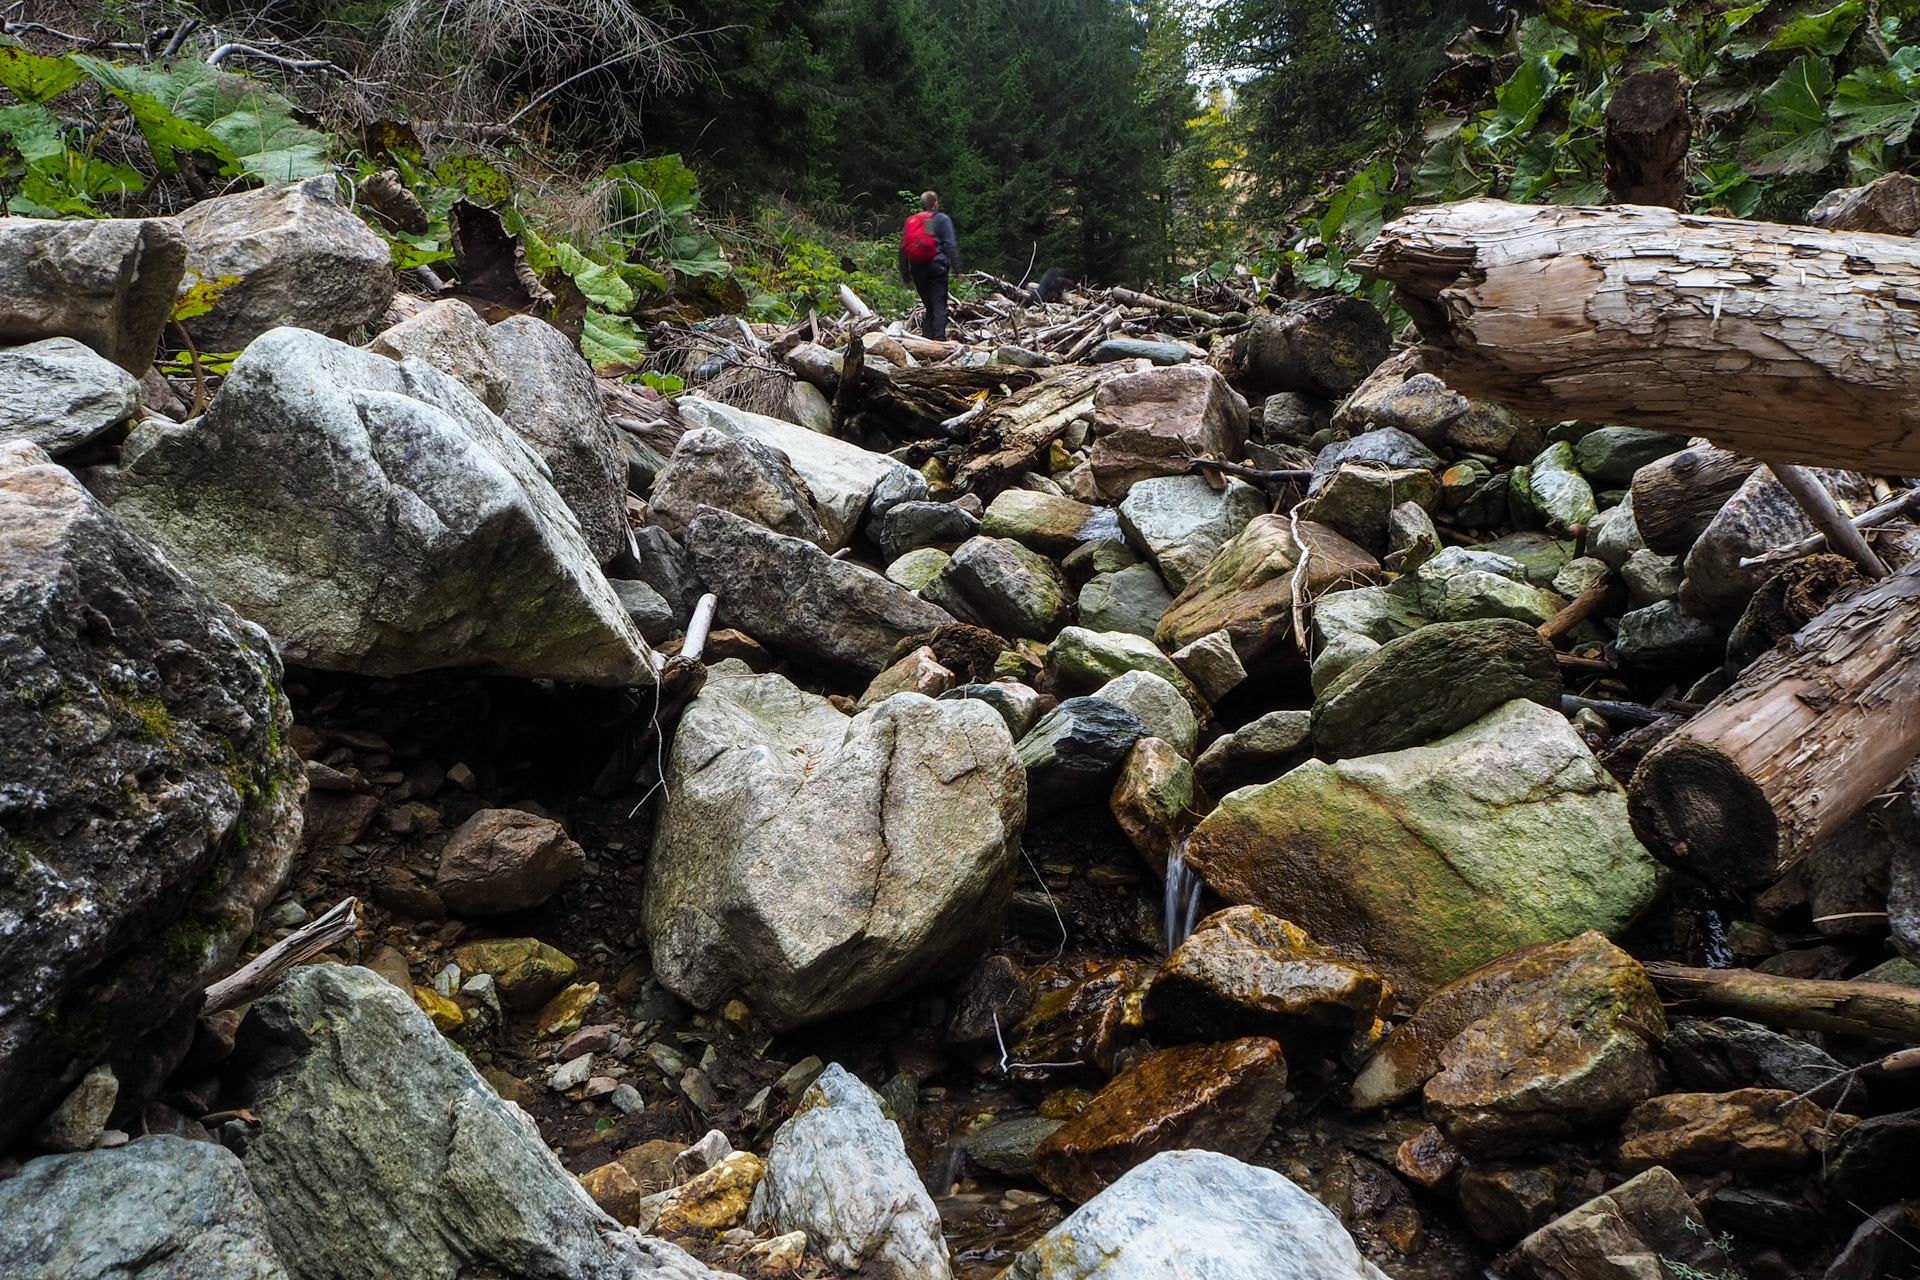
(930, 278)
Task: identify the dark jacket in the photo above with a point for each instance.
(949, 255)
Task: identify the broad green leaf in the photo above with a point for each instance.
(674, 187)
(1877, 103)
(34, 78)
(1866, 160)
(167, 133)
(34, 131)
(667, 384)
(1795, 137)
(1587, 22)
(411, 251)
(271, 146)
(201, 295)
(1520, 100)
(1826, 32)
(598, 284)
(1445, 173)
(1538, 36)
(609, 340)
(482, 183)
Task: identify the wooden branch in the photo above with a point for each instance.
(1805, 737)
(853, 367)
(308, 941)
(698, 627)
(1786, 343)
(1824, 512)
(1010, 439)
(855, 307)
(1878, 1010)
(1133, 299)
(1872, 518)
(1244, 472)
(1647, 132)
(1577, 610)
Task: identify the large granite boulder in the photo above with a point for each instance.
(149, 804)
(109, 282)
(788, 593)
(375, 517)
(1145, 423)
(841, 477)
(731, 473)
(291, 254)
(382, 1152)
(1247, 589)
(839, 1171)
(60, 394)
(811, 863)
(1430, 861)
(159, 1208)
(1197, 1213)
(1180, 522)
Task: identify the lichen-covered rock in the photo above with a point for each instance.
(1197, 1213)
(1131, 599)
(1426, 685)
(1215, 1097)
(1635, 1230)
(1151, 799)
(1551, 492)
(1247, 591)
(1243, 972)
(375, 517)
(1749, 1131)
(1046, 522)
(1082, 659)
(159, 1208)
(839, 1172)
(59, 394)
(108, 282)
(291, 254)
(1160, 706)
(909, 815)
(1528, 1047)
(382, 1152)
(731, 473)
(528, 971)
(150, 807)
(1358, 502)
(1431, 861)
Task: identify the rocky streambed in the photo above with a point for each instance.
(1046, 854)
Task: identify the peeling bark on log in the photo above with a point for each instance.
(914, 402)
(1020, 427)
(1676, 497)
(1790, 344)
(1878, 1010)
(1648, 129)
(1804, 738)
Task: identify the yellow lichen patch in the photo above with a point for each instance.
(715, 1200)
(564, 1013)
(446, 1015)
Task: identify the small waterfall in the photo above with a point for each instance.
(956, 1158)
(1183, 896)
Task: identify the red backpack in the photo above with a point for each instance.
(916, 239)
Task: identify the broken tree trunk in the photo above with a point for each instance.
(914, 402)
(1790, 344)
(1804, 738)
(1018, 430)
(1879, 1010)
(1648, 129)
(1676, 497)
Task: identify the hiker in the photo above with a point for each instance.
(928, 255)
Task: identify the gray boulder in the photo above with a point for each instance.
(1075, 750)
(839, 1172)
(291, 254)
(1160, 706)
(909, 818)
(1197, 1213)
(382, 1152)
(1388, 447)
(1428, 684)
(667, 567)
(1665, 635)
(450, 336)
(1180, 523)
(109, 283)
(1254, 747)
(732, 473)
(159, 1208)
(1551, 492)
(789, 593)
(552, 402)
(1145, 423)
(907, 525)
(1002, 586)
(1760, 516)
(648, 609)
(59, 394)
(375, 517)
(1609, 457)
(149, 805)
(1132, 599)
(841, 477)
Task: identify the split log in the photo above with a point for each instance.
(1012, 437)
(1888, 205)
(1790, 344)
(1133, 299)
(1877, 1010)
(1648, 129)
(1676, 497)
(306, 942)
(1800, 742)
(912, 403)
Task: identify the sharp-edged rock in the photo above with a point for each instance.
(109, 283)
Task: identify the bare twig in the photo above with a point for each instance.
(1873, 517)
(199, 374)
(226, 51)
(303, 944)
(1821, 509)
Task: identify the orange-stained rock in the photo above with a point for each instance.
(714, 1200)
(1427, 1158)
(1243, 972)
(1502, 1202)
(1748, 1131)
(1217, 1097)
(1086, 1023)
(1246, 590)
(615, 1189)
(651, 1163)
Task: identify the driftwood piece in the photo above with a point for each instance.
(1760, 517)
(306, 942)
(1791, 344)
(1133, 299)
(1019, 429)
(1820, 509)
(1800, 742)
(1577, 610)
(1676, 497)
(846, 396)
(1648, 129)
(914, 402)
(1878, 1010)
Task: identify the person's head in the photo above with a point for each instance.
(929, 200)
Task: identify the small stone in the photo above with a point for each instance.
(1640, 1228)
(1018, 704)
(710, 1150)
(1427, 1158)
(447, 1016)
(390, 964)
(571, 1075)
(594, 1039)
(1576, 575)
(1151, 799)
(908, 526)
(1412, 539)
(651, 1163)
(1502, 1202)
(796, 1079)
(626, 1099)
(462, 777)
(1212, 665)
(917, 568)
(76, 1124)
(599, 1087)
(614, 1188)
(1749, 1131)
(1254, 748)
(566, 1011)
(502, 860)
(528, 971)
(784, 1252)
(699, 1090)
(919, 672)
(1610, 456)
(713, 1200)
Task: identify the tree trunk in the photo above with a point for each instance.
(1648, 129)
(1804, 738)
(1009, 439)
(1879, 1010)
(1676, 497)
(1791, 344)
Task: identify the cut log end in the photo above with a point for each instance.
(1694, 808)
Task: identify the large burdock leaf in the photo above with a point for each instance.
(1796, 137)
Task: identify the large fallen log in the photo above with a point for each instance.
(1785, 343)
(1803, 739)
(1880, 1010)
(1019, 428)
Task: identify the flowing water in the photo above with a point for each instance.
(1183, 896)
